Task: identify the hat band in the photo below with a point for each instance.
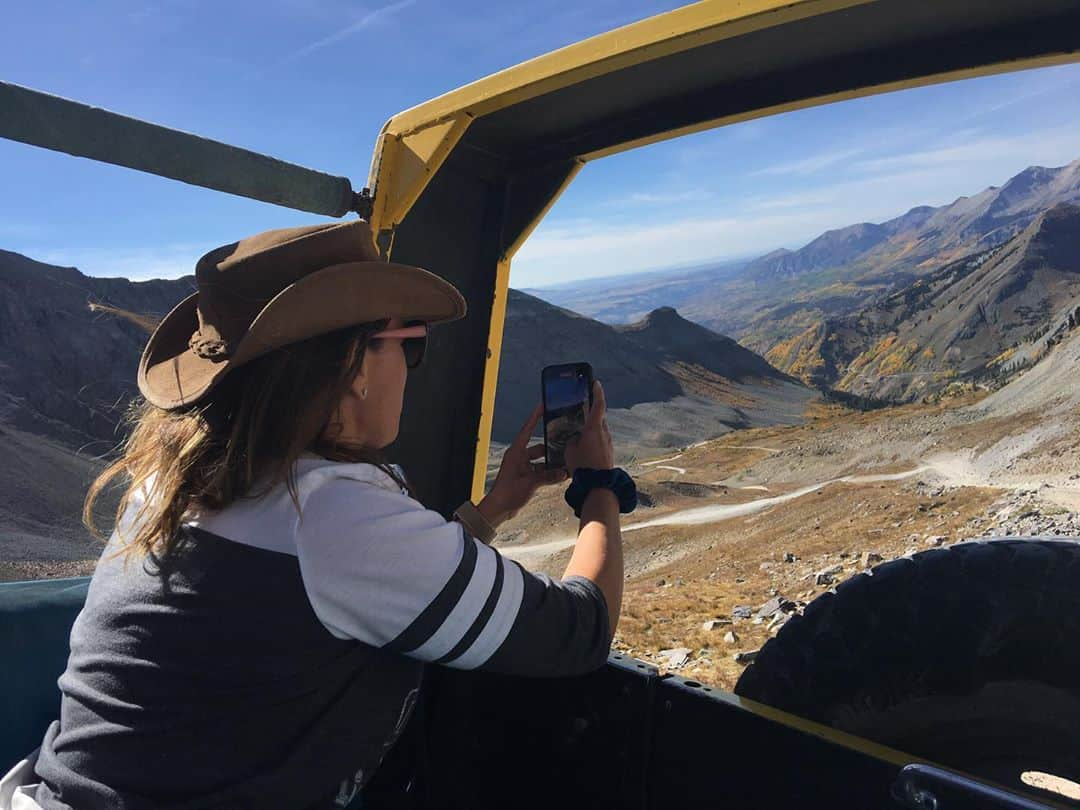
(208, 348)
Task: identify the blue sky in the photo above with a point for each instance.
(312, 81)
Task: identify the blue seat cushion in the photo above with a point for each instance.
(35, 628)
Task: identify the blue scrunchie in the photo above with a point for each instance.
(617, 480)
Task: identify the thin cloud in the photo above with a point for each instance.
(1039, 84)
(1062, 145)
(561, 253)
(662, 197)
(368, 19)
(810, 165)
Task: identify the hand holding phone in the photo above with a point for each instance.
(593, 448)
(567, 393)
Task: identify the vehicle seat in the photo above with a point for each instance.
(35, 631)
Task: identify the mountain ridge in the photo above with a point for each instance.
(659, 359)
(974, 318)
(782, 293)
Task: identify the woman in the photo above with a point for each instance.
(255, 631)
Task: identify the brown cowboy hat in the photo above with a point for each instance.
(277, 288)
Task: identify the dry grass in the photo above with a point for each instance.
(741, 562)
(681, 576)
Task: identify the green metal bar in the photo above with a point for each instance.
(51, 122)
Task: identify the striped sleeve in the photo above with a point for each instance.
(380, 568)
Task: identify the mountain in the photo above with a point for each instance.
(936, 235)
(667, 381)
(66, 371)
(831, 249)
(780, 295)
(1048, 388)
(672, 340)
(990, 314)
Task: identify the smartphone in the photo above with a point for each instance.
(567, 394)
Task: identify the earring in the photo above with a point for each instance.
(363, 393)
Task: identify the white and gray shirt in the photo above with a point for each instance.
(279, 651)
(380, 568)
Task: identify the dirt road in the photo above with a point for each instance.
(793, 511)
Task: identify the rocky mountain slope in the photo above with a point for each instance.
(667, 381)
(66, 374)
(65, 370)
(987, 315)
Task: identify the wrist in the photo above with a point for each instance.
(616, 480)
(493, 510)
(475, 522)
(599, 498)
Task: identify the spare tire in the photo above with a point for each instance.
(968, 656)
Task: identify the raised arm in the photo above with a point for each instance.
(380, 568)
(598, 552)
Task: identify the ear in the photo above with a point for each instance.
(361, 380)
(359, 387)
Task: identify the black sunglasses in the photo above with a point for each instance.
(413, 339)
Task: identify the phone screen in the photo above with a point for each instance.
(566, 397)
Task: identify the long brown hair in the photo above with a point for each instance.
(255, 424)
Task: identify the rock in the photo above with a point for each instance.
(742, 612)
(660, 583)
(934, 540)
(871, 558)
(789, 557)
(778, 621)
(765, 566)
(828, 576)
(778, 604)
(730, 637)
(770, 608)
(746, 657)
(675, 658)
(712, 624)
